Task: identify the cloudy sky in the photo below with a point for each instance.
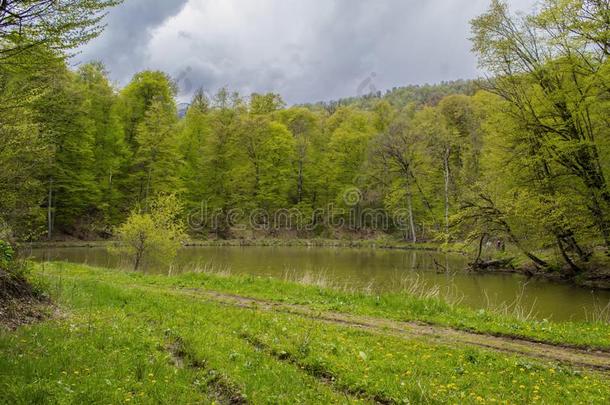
(306, 50)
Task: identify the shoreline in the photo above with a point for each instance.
(343, 243)
(598, 279)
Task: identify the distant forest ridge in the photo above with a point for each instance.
(420, 94)
(398, 97)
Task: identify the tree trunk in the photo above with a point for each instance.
(139, 252)
(411, 219)
(602, 223)
(446, 164)
(148, 177)
(50, 210)
(480, 251)
(575, 269)
(300, 183)
(136, 263)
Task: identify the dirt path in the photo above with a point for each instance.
(593, 360)
(579, 358)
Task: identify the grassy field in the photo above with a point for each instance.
(130, 338)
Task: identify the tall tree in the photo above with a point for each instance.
(156, 161)
(72, 190)
(59, 25)
(545, 77)
(109, 149)
(305, 128)
(137, 97)
(195, 134)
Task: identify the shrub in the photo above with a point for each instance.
(153, 236)
(7, 255)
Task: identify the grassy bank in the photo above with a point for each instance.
(416, 303)
(131, 338)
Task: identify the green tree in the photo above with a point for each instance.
(24, 155)
(305, 128)
(401, 154)
(109, 149)
(195, 133)
(53, 24)
(137, 97)
(551, 84)
(35, 37)
(153, 236)
(351, 132)
(156, 161)
(218, 189)
(72, 189)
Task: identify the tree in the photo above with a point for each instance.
(59, 25)
(156, 160)
(72, 189)
(34, 37)
(304, 126)
(152, 236)
(24, 156)
(400, 150)
(550, 81)
(541, 210)
(148, 116)
(217, 189)
(350, 134)
(136, 98)
(195, 133)
(269, 147)
(442, 143)
(261, 104)
(109, 148)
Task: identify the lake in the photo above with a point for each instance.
(374, 269)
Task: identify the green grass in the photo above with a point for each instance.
(396, 306)
(121, 341)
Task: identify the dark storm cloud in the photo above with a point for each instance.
(307, 50)
(123, 45)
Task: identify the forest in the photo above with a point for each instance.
(519, 158)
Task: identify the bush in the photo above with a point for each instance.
(7, 255)
(154, 236)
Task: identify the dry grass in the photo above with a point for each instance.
(515, 308)
(312, 278)
(209, 268)
(599, 314)
(414, 286)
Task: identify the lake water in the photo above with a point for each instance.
(376, 269)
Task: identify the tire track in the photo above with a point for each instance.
(580, 358)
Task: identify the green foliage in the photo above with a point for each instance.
(70, 176)
(60, 25)
(155, 168)
(109, 147)
(137, 97)
(549, 84)
(195, 132)
(7, 255)
(153, 236)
